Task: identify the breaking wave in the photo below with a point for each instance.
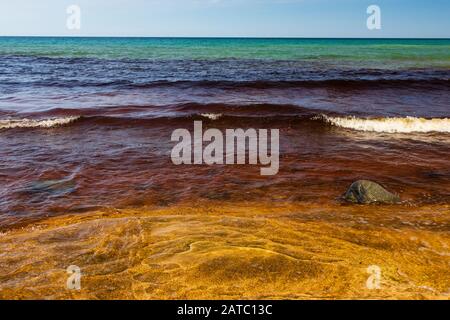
(390, 125)
(33, 123)
(233, 114)
(212, 116)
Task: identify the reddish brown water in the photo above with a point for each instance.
(119, 162)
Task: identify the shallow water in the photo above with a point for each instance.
(110, 162)
(100, 112)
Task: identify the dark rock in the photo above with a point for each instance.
(366, 192)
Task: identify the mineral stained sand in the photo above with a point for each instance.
(229, 251)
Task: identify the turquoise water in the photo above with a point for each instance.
(371, 53)
(39, 74)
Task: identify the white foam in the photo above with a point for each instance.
(391, 125)
(32, 123)
(212, 116)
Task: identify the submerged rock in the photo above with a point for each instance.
(54, 187)
(366, 192)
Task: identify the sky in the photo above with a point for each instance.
(227, 18)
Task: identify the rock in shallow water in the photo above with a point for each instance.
(54, 187)
(366, 192)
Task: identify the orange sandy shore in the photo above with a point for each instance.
(218, 250)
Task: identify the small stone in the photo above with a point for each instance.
(367, 192)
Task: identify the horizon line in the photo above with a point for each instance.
(223, 37)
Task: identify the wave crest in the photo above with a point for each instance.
(390, 125)
(33, 123)
(212, 116)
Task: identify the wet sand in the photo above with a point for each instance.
(219, 250)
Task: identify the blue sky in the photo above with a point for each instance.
(223, 18)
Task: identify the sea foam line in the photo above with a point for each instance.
(390, 125)
(33, 123)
